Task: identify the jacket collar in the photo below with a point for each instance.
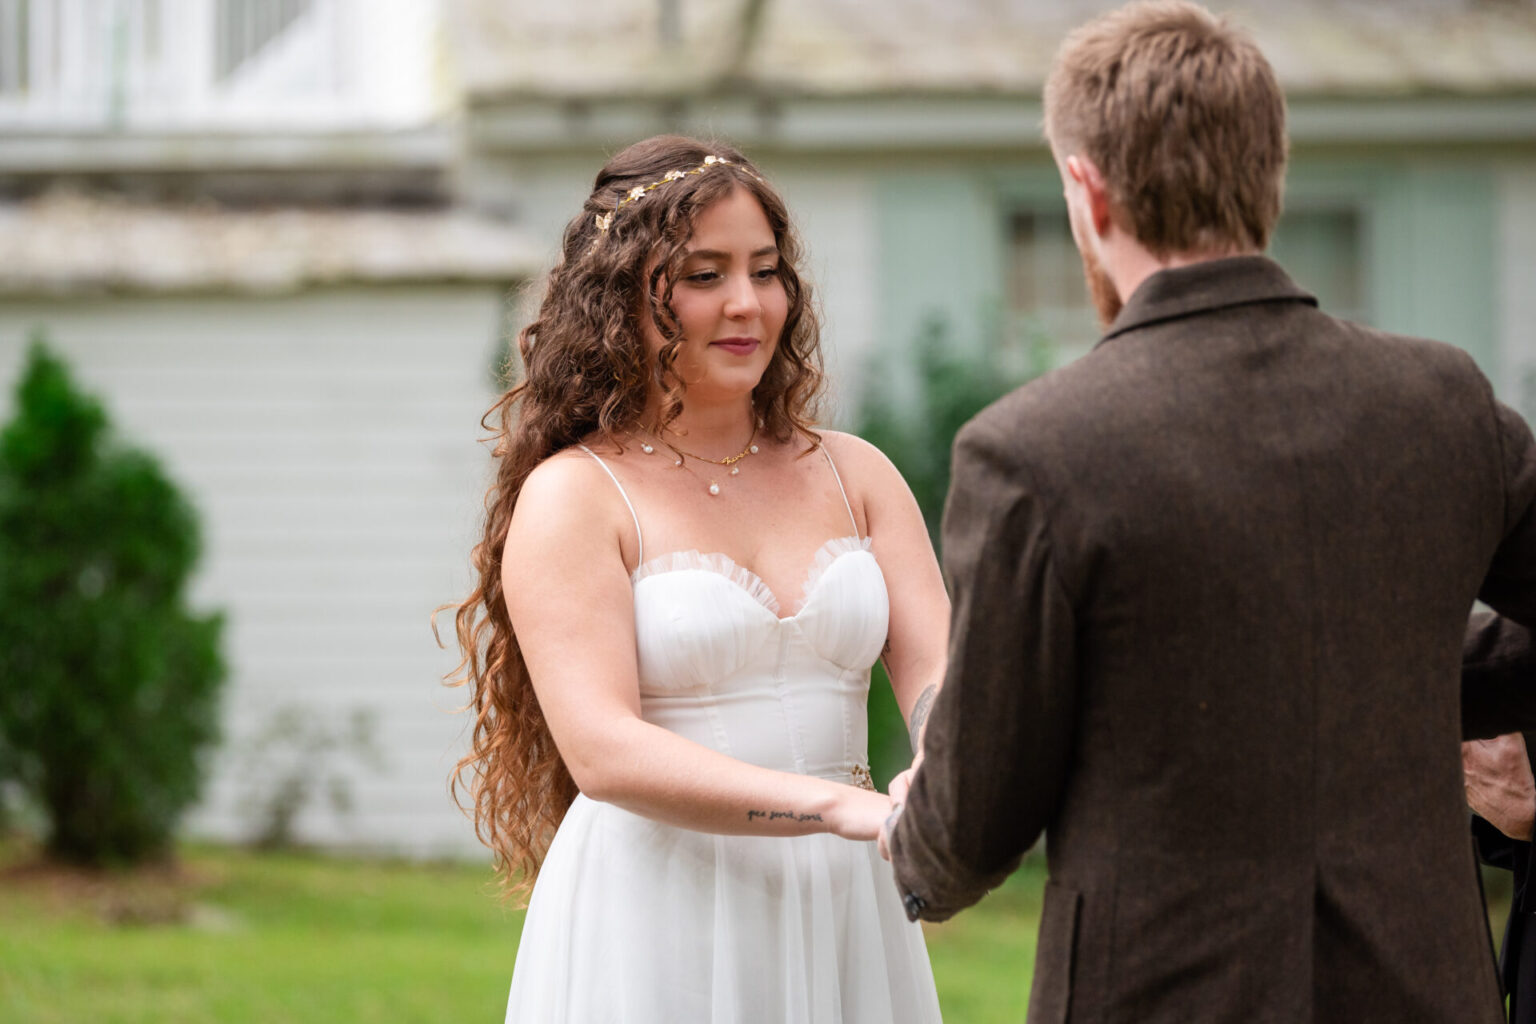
(1202, 287)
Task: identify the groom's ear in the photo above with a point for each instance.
(1093, 191)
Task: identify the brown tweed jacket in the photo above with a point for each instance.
(1210, 587)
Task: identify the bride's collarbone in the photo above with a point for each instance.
(773, 517)
(759, 489)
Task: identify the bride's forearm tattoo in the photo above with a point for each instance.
(920, 716)
(782, 816)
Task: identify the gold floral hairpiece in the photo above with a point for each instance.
(639, 192)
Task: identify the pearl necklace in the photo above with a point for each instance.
(729, 461)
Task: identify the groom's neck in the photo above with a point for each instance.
(1128, 262)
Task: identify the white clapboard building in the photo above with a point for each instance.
(235, 218)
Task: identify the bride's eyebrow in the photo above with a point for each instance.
(717, 254)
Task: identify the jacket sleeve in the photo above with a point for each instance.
(999, 736)
(1498, 683)
(1494, 848)
(1498, 678)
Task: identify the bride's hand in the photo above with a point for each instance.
(860, 813)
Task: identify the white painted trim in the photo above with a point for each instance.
(88, 151)
(916, 121)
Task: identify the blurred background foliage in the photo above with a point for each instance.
(303, 755)
(109, 685)
(954, 381)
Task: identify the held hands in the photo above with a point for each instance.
(1499, 783)
(899, 786)
(903, 782)
(887, 828)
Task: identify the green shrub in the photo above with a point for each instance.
(108, 686)
(953, 385)
(297, 759)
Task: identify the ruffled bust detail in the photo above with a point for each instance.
(746, 579)
(714, 562)
(830, 552)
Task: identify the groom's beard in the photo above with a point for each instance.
(1106, 300)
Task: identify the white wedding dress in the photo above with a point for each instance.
(636, 922)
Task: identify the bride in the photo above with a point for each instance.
(682, 588)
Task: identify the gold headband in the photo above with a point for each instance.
(639, 192)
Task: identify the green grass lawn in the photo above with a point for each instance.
(984, 958)
(232, 937)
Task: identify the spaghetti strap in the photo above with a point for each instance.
(841, 490)
(639, 538)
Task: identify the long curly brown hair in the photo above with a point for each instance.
(586, 374)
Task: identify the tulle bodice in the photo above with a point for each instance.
(719, 665)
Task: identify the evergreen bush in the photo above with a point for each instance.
(108, 685)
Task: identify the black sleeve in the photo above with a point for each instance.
(1494, 848)
(1498, 692)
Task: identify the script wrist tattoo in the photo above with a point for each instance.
(919, 717)
(782, 816)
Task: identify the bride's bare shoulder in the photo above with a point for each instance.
(856, 457)
(567, 498)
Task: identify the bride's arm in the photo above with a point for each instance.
(569, 597)
(918, 638)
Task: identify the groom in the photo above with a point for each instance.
(1210, 585)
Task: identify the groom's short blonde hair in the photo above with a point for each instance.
(1184, 118)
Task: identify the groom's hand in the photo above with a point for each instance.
(886, 830)
(903, 782)
(898, 791)
(1499, 784)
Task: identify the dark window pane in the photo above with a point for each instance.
(1323, 252)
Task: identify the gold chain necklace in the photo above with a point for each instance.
(729, 461)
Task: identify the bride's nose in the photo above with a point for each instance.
(741, 300)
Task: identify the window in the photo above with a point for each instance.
(1049, 319)
(244, 27)
(15, 48)
(1323, 250)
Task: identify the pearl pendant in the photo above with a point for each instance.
(679, 462)
(714, 488)
(647, 448)
(735, 470)
(752, 449)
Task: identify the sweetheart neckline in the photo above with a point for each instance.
(718, 563)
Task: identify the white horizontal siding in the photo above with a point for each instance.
(330, 442)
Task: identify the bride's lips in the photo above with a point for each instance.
(737, 346)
